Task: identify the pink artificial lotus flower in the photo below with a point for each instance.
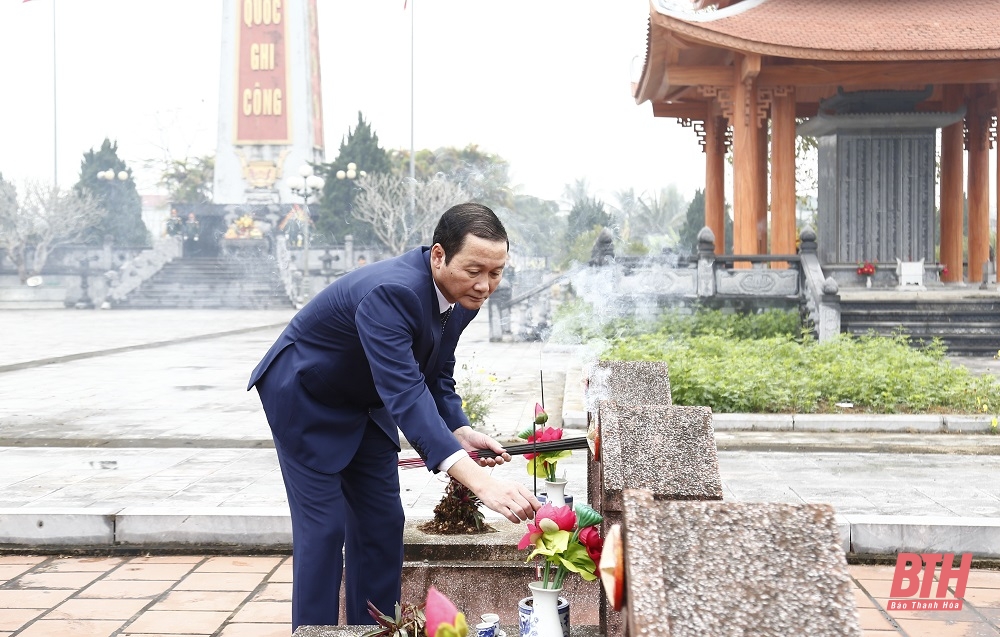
(530, 537)
(591, 540)
(540, 416)
(548, 434)
(442, 617)
(553, 518)
(548, 518)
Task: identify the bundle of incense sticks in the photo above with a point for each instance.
(564, 444)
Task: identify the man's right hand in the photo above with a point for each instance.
(508, 498)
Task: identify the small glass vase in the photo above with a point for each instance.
(544, 621)
(868, 281)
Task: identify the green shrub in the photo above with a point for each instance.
(763, 363)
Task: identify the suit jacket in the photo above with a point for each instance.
(370, 345)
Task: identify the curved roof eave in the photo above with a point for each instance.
(654, 51)
(695, 30)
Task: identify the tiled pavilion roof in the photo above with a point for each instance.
(844, 30)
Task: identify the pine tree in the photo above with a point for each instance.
(695, 221)
(332, 214)
(123, 223)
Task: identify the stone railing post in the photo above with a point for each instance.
(349, 252)
(499, 309)
(821, 294)
(287, 269)
(706, 263)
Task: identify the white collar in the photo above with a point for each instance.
(443, 303)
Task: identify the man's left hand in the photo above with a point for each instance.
(473, 440)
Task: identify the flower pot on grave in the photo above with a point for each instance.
(557, 489)
(550, 605)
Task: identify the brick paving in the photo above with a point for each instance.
(227, 596)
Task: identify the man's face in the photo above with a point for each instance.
(472, 273)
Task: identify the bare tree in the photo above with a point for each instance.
(42, 220)
(383, 202)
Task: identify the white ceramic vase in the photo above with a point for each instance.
(555, 492)
(544, 620)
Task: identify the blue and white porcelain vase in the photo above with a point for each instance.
(544, 621)
(524, 616)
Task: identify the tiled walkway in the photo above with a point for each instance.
(170, 596)
(161, 595)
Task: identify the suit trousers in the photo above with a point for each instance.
(351, 519)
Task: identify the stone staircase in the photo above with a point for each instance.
(968, 326)
(212, 283)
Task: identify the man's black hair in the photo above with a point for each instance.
(465, 219)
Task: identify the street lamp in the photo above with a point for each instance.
(306, 185)
(351, 173)
(109, 175)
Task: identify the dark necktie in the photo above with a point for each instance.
(444, 317)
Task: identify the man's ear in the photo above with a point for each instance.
(437, 255)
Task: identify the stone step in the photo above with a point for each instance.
(207, 283)
(968, 326)
(208, 304)
(923, 328)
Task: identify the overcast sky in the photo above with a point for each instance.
(545, 84)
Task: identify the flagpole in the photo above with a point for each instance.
(55, 109)
(413, 150)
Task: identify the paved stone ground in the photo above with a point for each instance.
(149, 408)
(128, 410)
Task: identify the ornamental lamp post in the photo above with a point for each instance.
(306, 185)
(109, 175)
(352, 172)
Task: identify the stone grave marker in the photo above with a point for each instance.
(700, 569)
(628, 383)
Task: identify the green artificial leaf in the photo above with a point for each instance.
(550, 544)
(575, 559)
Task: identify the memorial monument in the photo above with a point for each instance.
(270, 105)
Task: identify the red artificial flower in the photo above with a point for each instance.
(593, 542)
(546, 434)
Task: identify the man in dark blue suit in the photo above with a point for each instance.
(372, 354)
